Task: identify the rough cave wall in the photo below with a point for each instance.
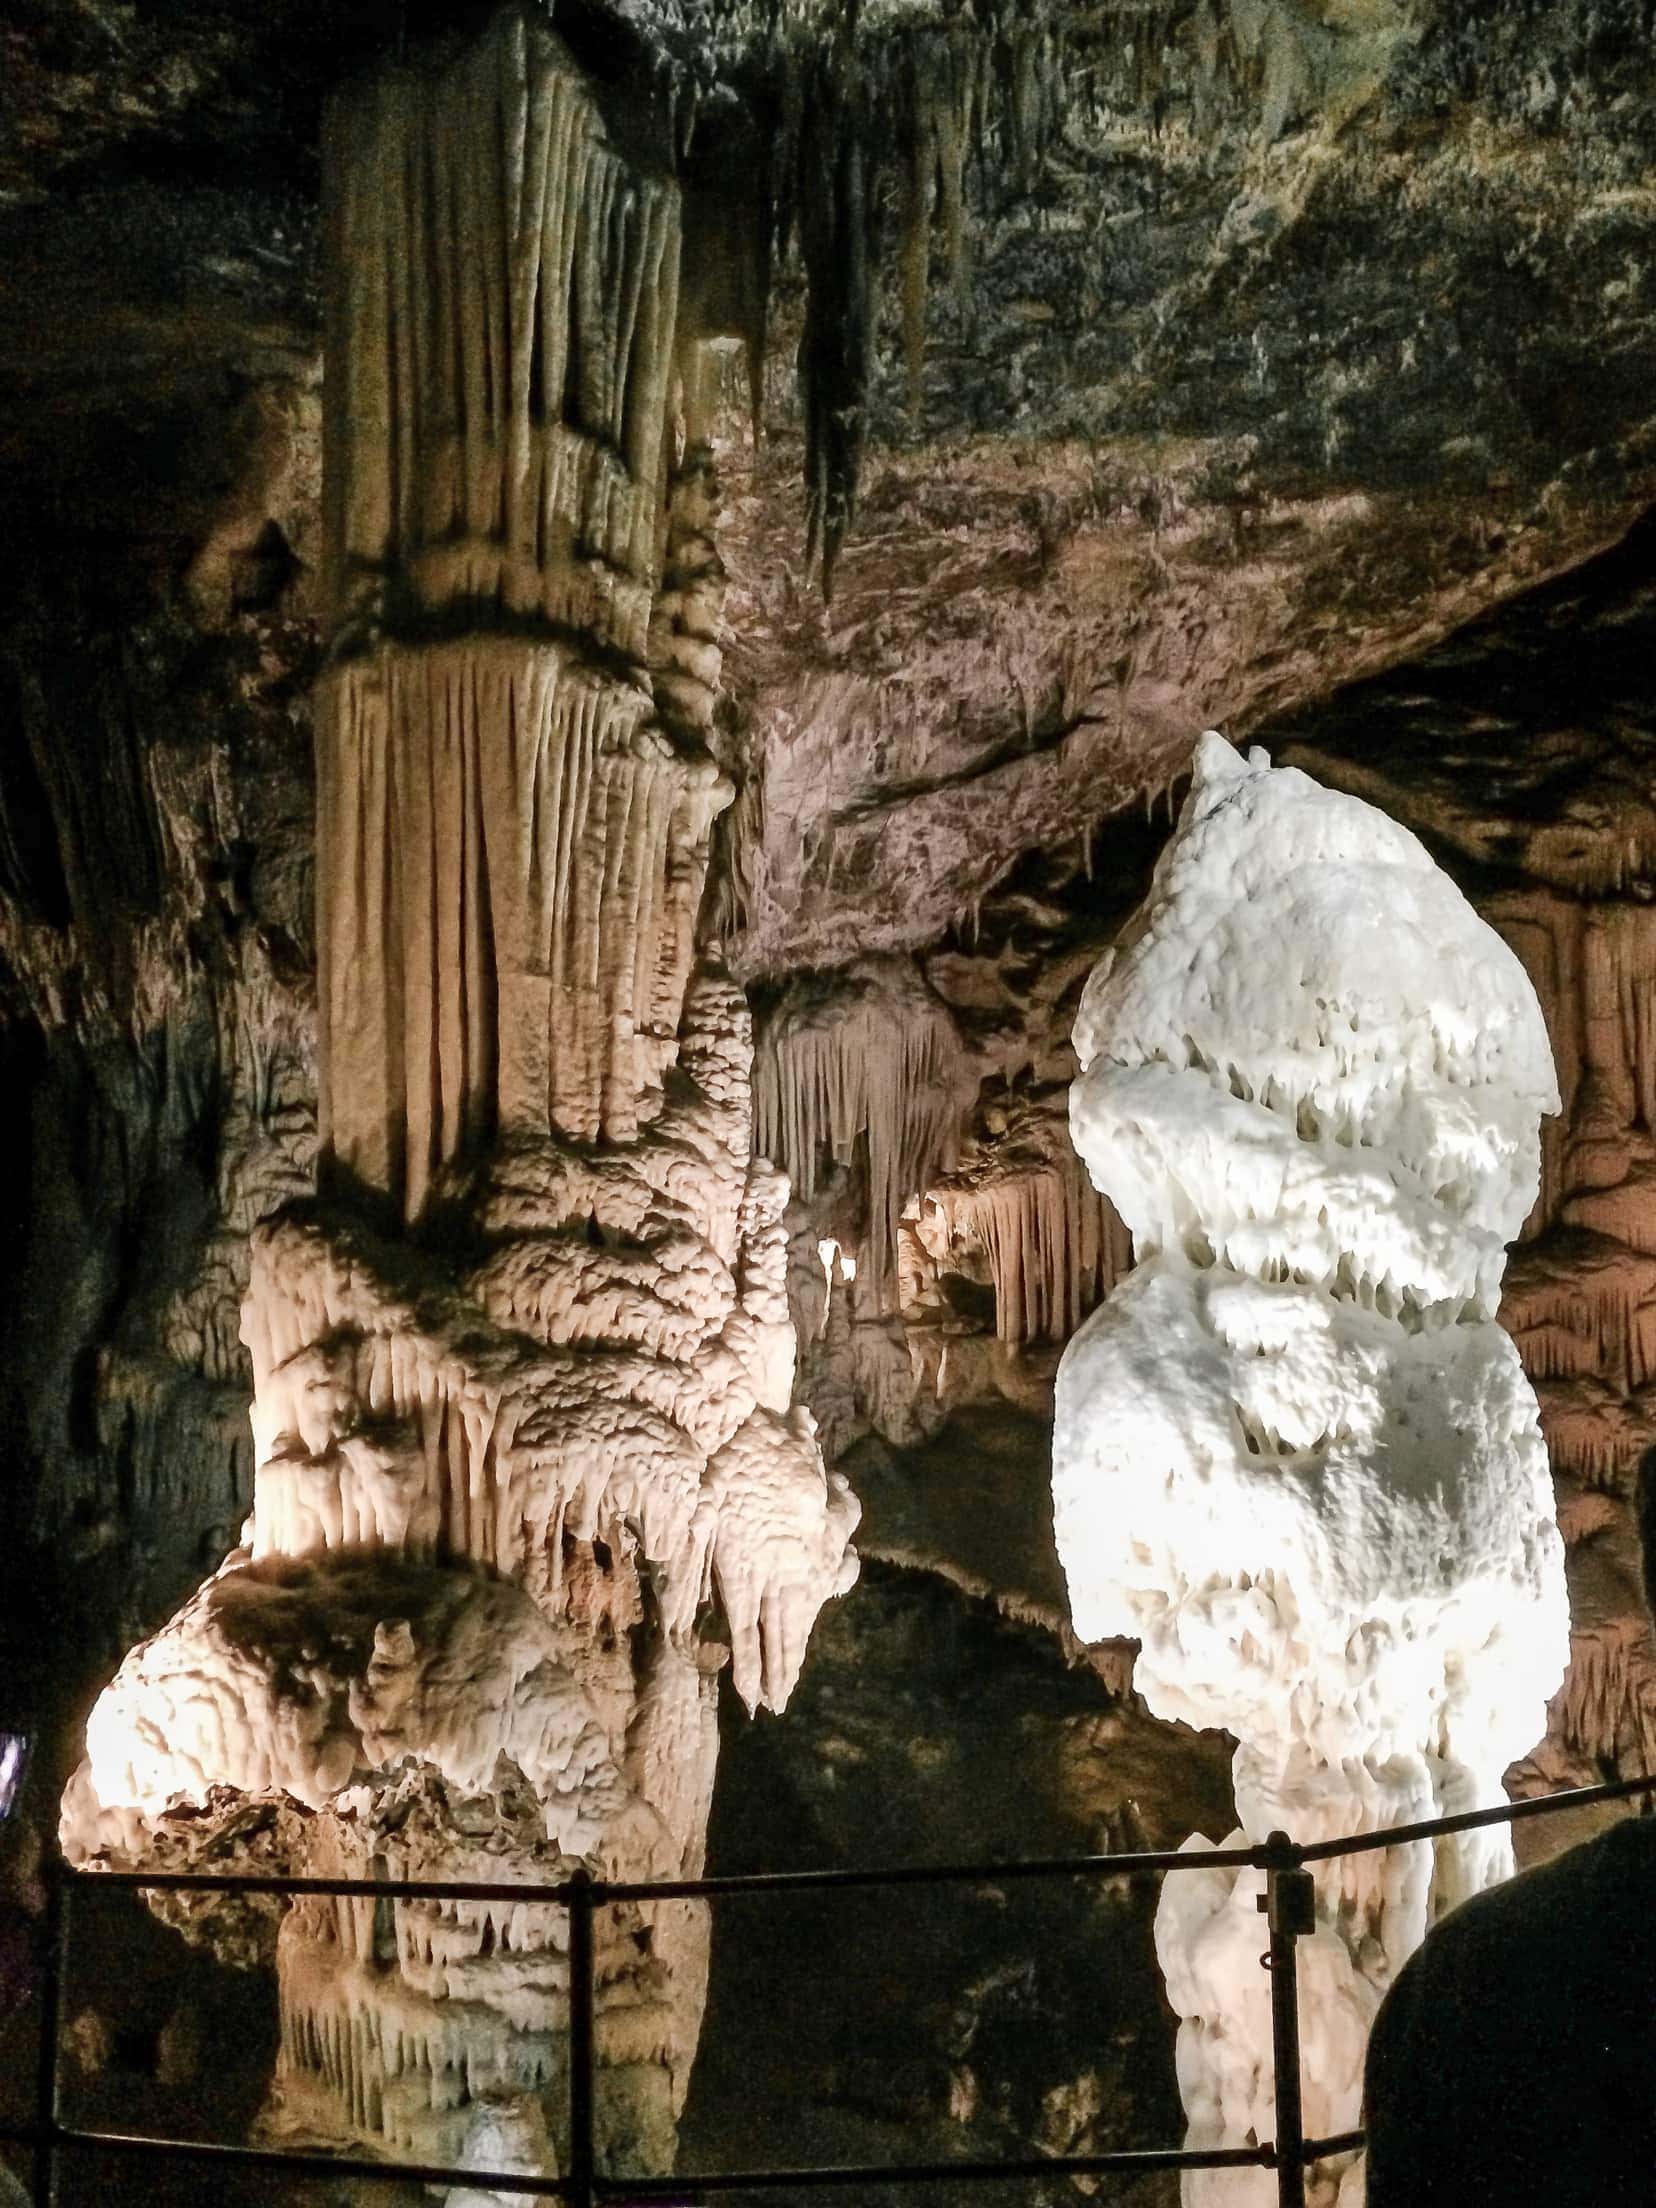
(1203, 428)
(158, 942)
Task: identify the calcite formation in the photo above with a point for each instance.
(511, 850)
(1053, 1245)
(526, 1450)
(1295, 1455)
(496, 1506)
(863, 1065)
(1547, 818)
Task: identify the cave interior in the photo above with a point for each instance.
(608, 609)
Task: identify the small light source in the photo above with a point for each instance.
(14, 1753)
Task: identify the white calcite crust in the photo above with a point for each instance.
(298, 1677)
(1295, 1456)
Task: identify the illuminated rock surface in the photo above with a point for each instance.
(1294, 1455)
(515, 1470)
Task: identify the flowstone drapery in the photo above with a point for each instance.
(523, 1371)
(1295, 1455)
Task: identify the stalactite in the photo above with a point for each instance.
(506, 833)
(1594, 969)
(1606, 1709)
(1582, 1304)
(497, 882)
(1580, 1299)
(886, 110)
(867, 1055)
(504, 340)
(1055, 1247)
(889, 112)
(686, 627)
(914, 250)
(838, 233)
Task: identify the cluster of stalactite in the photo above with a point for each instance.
(873, 137)
(862, 1066)
(864, 141)
(506, 831)
(853, 147)
(857, 144)
(515, 837)
(1053, 1244)
(1580, 1298)
(502, 312)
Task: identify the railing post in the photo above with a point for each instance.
(1290, 1905)
(582, 1997)
(47, 2109)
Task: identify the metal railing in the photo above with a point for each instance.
(1287, 1903)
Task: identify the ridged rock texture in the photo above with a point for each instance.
(525, 1449)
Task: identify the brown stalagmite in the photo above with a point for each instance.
(512, 1466)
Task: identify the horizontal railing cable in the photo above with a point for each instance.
(1469, 1820)
(1144, 1863)
(1287, 1900)
(222, 2152)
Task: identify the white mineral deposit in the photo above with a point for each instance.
(1295, 1456)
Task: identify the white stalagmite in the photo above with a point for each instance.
(526, 1452)
(1295, 1456)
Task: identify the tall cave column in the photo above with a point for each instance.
(527, 1458)
(1295, 1456)
(510, 850)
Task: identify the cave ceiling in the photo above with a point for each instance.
(1137, 367)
